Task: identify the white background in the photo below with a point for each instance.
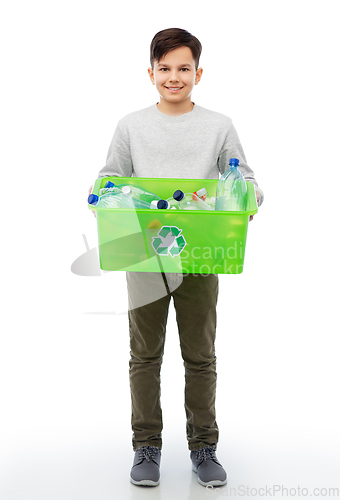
(71, 70)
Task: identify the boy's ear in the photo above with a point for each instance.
(198, 75)
(151, 75)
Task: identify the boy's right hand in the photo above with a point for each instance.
(90, 191)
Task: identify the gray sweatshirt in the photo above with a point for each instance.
(195, 145)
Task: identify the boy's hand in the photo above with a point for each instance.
(258, 197)
(90, 191)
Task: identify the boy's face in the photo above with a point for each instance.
(175, 75)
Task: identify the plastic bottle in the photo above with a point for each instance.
(209, 200)
(201, 193)
(170, 203)
(139, 193)
(111, 200)
(109, 187)
(231, 192)
(137, 202)
(184, 201)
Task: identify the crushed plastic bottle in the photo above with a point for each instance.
(231, 192)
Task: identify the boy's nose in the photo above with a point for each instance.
(173, 77)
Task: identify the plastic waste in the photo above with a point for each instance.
(111, 200)
(189, 201)
(231, 192)
(170, 203)
(184, 201)
(139, 193)
(203, 195)
(137, 202)
(211, 201)
(109, 187)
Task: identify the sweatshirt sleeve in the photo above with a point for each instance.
(118, 160)
(232, 148)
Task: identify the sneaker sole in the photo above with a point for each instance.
(145, 482)
(216, 482)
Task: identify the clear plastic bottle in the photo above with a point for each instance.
(137, 202)
(201, 193)
(231, 192)
(139, 193)
(170, 203)
(209, 200)
(189, 201)
(109, 187)
(184, 201)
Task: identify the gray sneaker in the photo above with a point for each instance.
(145, 470)
(209, 470)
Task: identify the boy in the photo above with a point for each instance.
(179, 139)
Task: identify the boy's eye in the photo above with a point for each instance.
(166, 69)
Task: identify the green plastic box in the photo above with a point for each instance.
(172, 241)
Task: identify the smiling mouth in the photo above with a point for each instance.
(173, 89)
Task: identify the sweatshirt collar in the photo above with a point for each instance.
(174, 119)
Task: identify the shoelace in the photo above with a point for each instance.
(207, 453)
(148, 452)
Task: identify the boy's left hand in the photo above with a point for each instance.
(258, 197)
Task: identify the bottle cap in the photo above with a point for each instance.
(162, 204)
(178, 195)
(109, 184)
(234, 161)
(201, 192)
(126, 189)
(93, 199)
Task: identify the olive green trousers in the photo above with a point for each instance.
(195, 300)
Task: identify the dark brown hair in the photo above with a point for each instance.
(172, 38)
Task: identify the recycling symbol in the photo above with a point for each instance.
(168, 241)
